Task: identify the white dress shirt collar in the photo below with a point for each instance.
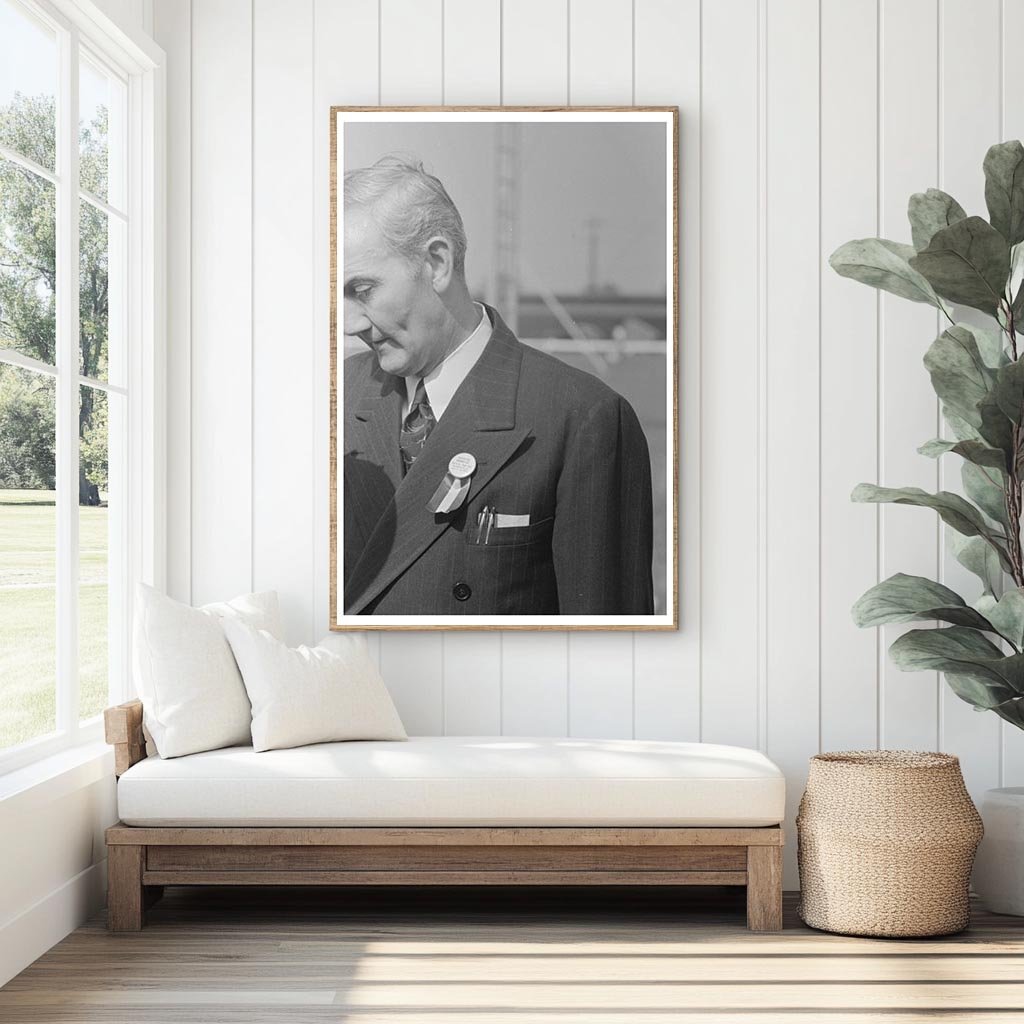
(443, 381)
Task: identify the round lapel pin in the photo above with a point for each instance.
(454, 488)
(462, 465)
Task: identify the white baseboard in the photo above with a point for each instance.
(28, 936)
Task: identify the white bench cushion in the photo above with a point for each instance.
(459, 780)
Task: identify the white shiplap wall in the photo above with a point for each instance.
(803, 123)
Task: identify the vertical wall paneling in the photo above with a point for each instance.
(792, 385)
(410, 52)
(796, 136)
(666, 666)
(1012, 127)
(601, 684)
(534, 694)
(472, 684)
(411, 72)
(968, 125)
(284, 339)
(601, 52)
(849, 369)
(730, 197)
(221, 370)
(344, 54)
(413, 668)
(534, 41)
(535, 70)
(345, 58)
(600, 72)
(472, 52)
(909, 414)
(173, 30)
(472, 75)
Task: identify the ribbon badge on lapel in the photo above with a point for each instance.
(452, 490)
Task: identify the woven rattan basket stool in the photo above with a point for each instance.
(885, 842)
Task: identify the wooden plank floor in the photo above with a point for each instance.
(263, 956)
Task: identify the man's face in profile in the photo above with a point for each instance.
(389, 303)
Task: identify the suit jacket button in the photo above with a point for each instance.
(462, 591)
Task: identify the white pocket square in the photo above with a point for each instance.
(501, 520)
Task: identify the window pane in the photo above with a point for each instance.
(28, 546)
(28, 263)
(93, 550)
(101, 284)
(28, 85)
(101, 102)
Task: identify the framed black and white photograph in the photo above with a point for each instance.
(504, 351)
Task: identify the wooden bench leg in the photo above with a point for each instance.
(764, 888)
(125, 897)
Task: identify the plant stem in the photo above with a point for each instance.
(1011, 331)
(1013, 483)
(1013, 509)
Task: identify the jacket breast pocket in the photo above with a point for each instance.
(513, 573)
(510, 536)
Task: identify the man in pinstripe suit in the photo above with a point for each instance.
(557, 515)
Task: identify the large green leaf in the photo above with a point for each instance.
(883, 264)
(967, 263)
(945, 650)
(958, 371)
(1017, 308)
(990, 345)
(954, 510)
(1015, 287)
(976, 555)
(982, 693)
(1004, 189)
(985, 487)
(903, 598)
(932, 211)
(1009, 390)
(996, 427)
(1016, 279)
(1012, 710)
(964, 652)
(962, 430)
(973, 451)
(1006, 614)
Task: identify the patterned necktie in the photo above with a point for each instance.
(416, 427)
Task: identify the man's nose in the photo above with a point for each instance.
(356, 322)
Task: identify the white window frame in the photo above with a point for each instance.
(141, 64)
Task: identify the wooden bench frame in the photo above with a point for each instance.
(142, 860)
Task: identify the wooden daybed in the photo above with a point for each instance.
(143, 858)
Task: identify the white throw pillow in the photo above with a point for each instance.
(192, 693)
(310, 694)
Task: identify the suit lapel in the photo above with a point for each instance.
(481, 420)
(380, 408)
(372, 465)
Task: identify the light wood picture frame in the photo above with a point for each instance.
(504, 353)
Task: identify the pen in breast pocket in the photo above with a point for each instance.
(484, 519)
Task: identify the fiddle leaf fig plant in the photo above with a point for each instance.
(978, 375)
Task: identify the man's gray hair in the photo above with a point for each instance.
(409, 206)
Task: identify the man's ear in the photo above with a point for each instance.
(440, 263)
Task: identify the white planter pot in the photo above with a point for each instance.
(999, 866)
